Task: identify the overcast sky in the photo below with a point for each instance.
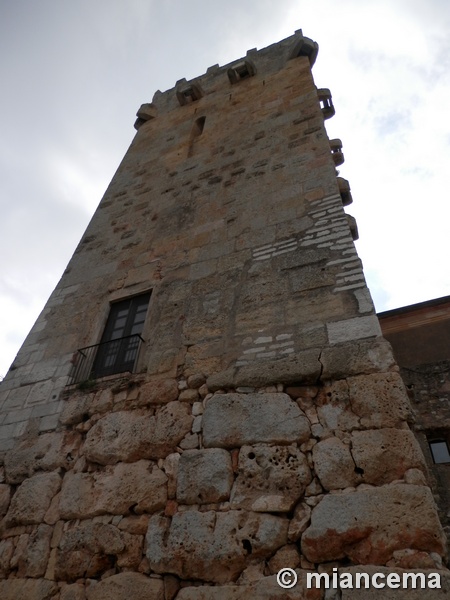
(74, 72)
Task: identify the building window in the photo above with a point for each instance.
(119, 346)
(439, 451)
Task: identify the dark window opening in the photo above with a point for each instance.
(243, 70)
(119, 346)
(196, 131)
(189, 94)
(199, 124)
(439, 451)
(120, 341)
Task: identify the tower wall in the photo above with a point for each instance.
(265, 424)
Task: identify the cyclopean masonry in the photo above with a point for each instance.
(206, 397)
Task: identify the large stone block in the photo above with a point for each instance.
(355, 358)
(204, 476)
(46, 452)
(379, 399)
(270, 479)
(266, 588)
(382, 455)
(127, 586)
(334, 465)
(76, 408)
(302, 367)
(87, 551)
(368, 525)
(355, 328)
(159, 391)
(334, 408)
(28, 589)
(212, 546)
(140, 487)
(131, 435)
(232, 420)
(33, 561)
(32, 499)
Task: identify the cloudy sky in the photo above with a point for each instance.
(74, 72)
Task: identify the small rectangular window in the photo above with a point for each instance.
(439, 451)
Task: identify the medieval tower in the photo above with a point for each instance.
(206, 397)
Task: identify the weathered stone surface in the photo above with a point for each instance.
(139, 486)
(33, 561)
(170, 467)
(212, 546)
(76, 408)
(232, 420)
(266, 588)
(355, 328)
(129, 436)
(368, 525)
(379, 399)
(102, 402)
(28, 589)
(385, 454)
(354, 358)
(74, 591)
(287, 556)
(299, 522)
(127, 586)
(204, 476)
(6, 553)
(32, 499)
(334, 408)
(189, 395)
(5, 498)
(399, 593)
(46, 452)
(159, 391)
(131, 557)
(196, 381)
(302, 367)
(334, 465)
(270, 478)
(135, 524)
(87, 551)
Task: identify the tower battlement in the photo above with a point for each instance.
(217, 79)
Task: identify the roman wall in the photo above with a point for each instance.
(266, 423)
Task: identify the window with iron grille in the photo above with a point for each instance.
(119, 347)
(117, 351)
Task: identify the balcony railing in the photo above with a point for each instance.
(107, 358)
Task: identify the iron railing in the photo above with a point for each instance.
(107, 358)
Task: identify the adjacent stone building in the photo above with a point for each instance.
(206, 397)
(420, 338)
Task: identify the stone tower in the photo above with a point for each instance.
(206, 397)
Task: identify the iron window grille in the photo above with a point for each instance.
(106, 358)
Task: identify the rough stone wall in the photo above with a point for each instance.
(267, 425)
(170, 490)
